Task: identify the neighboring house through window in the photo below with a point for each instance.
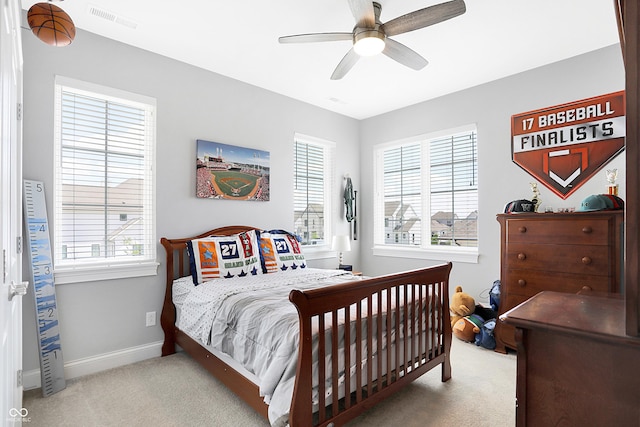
(104, 183)
(313, 172)
(426, 196)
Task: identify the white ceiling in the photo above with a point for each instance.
(239, 39)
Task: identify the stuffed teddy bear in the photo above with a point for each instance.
(468, 319)
(494, 295)
(462, 304)
(484, 338)
(467, 328)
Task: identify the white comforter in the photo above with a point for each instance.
(252, 320)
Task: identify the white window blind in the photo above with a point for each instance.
(104, 183)
(403, 194)
(427, 191)
(312, 170)
(454, 190)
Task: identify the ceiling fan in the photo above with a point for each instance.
(370, 36)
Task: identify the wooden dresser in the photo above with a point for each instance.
(576, 365)
(562, 252)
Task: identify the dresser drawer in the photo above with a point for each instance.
(523, 284)
(564, 230)
(577, 259)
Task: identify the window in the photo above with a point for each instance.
(95, 250)
(427, 194)
(104, 183)
(313, 172)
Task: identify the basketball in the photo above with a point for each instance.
(51, 24)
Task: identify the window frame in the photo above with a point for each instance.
(70, 271)
(425, 251)
(322, 250)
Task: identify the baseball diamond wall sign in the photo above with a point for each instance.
(565, 145)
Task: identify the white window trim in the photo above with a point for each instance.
(436, 253)
(467, 255)
(89, 271)
(323, 251)
(92, 272)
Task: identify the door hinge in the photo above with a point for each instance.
(19, 378)
(19, 245)
(5, 273)
(19, 111)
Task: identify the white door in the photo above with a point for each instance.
(11, 410)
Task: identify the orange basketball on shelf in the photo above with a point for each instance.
(51, 24)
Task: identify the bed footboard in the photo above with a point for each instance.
(385, 331)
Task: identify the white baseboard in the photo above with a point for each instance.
(101, 362)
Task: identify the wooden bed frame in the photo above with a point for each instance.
(430, 285)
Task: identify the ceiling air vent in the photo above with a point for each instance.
(113, 17)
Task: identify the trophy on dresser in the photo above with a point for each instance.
(536, 196)
(612, 175)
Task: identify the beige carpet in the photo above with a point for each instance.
(175, 391)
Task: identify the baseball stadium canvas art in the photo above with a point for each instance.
(230, 172)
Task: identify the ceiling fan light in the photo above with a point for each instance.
(369, 43)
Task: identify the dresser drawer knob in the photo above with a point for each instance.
(522, 282)
(522, 229)
(586, 260)
(522, 256)
(587, 230)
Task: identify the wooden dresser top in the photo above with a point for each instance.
(592, 316)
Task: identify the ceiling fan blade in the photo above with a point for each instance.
(362, 11)
(316, 37)
(345, 65)
(401, 53)
(424, 17)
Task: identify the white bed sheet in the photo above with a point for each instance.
(268, 349)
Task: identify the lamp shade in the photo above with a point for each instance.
(341, 243)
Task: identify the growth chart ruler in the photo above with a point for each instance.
(39, 246)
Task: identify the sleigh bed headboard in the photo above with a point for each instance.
(176, 249)
(177, 265)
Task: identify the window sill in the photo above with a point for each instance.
(440, 254)
(318, 252)
(92, 273)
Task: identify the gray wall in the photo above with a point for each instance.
(108, 316)
(490, 107)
